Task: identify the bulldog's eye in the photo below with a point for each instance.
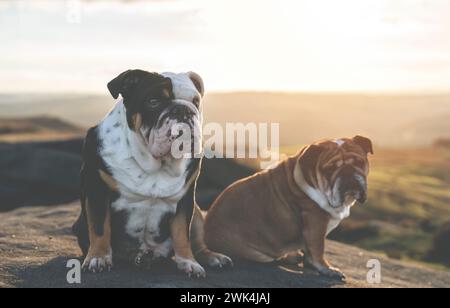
(329, 170)
(360, 163)
(196, 101)
(154, 103)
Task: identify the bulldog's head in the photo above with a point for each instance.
(337, 170)
(158, 105)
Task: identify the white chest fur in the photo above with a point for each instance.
(144, 221)
(333, 224)
(336, 214)
(138, 174)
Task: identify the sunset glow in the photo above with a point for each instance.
(289, 45)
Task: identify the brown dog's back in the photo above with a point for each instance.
(248, 220)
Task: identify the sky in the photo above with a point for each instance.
(235, 45)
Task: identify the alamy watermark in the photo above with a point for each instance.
(374, 273)
(235, 140)
(74, 274)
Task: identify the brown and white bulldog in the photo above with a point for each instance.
(274, 214)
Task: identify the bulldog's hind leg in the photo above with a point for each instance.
(201, 251)
(80, 230)
(98, 216)
(99, 256)
(97, 189)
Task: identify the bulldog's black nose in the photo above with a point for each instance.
(178, 110)
(351, 186)
(180, 113)
(363, 198)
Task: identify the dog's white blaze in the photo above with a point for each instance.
(184, 91)
(183, 88)
(339, 142)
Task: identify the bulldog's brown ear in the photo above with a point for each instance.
(123, 83)
(198, 82)
(310, 155)
(364, 143)
(308, 160)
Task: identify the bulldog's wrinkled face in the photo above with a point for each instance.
(183, 118)
(158, 105)
(338, 169)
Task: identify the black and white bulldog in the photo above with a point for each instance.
(137, 196)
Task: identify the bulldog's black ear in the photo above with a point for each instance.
(198, 82)
(123, 83)
(364, 143)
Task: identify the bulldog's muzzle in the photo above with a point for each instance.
(352, 186)
(178, 120)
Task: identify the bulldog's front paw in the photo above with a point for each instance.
(98, 264)
(324, 269)
(214, 259)
(162, 251)
(190, 267)
(219, 260)
(332, 272)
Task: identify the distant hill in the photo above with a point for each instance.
(390, 120)
(442, 143)
(37, 129)
(424, 128)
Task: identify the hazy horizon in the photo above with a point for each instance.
(391, 120)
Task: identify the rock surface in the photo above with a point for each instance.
(39, 173)
(36, 243)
